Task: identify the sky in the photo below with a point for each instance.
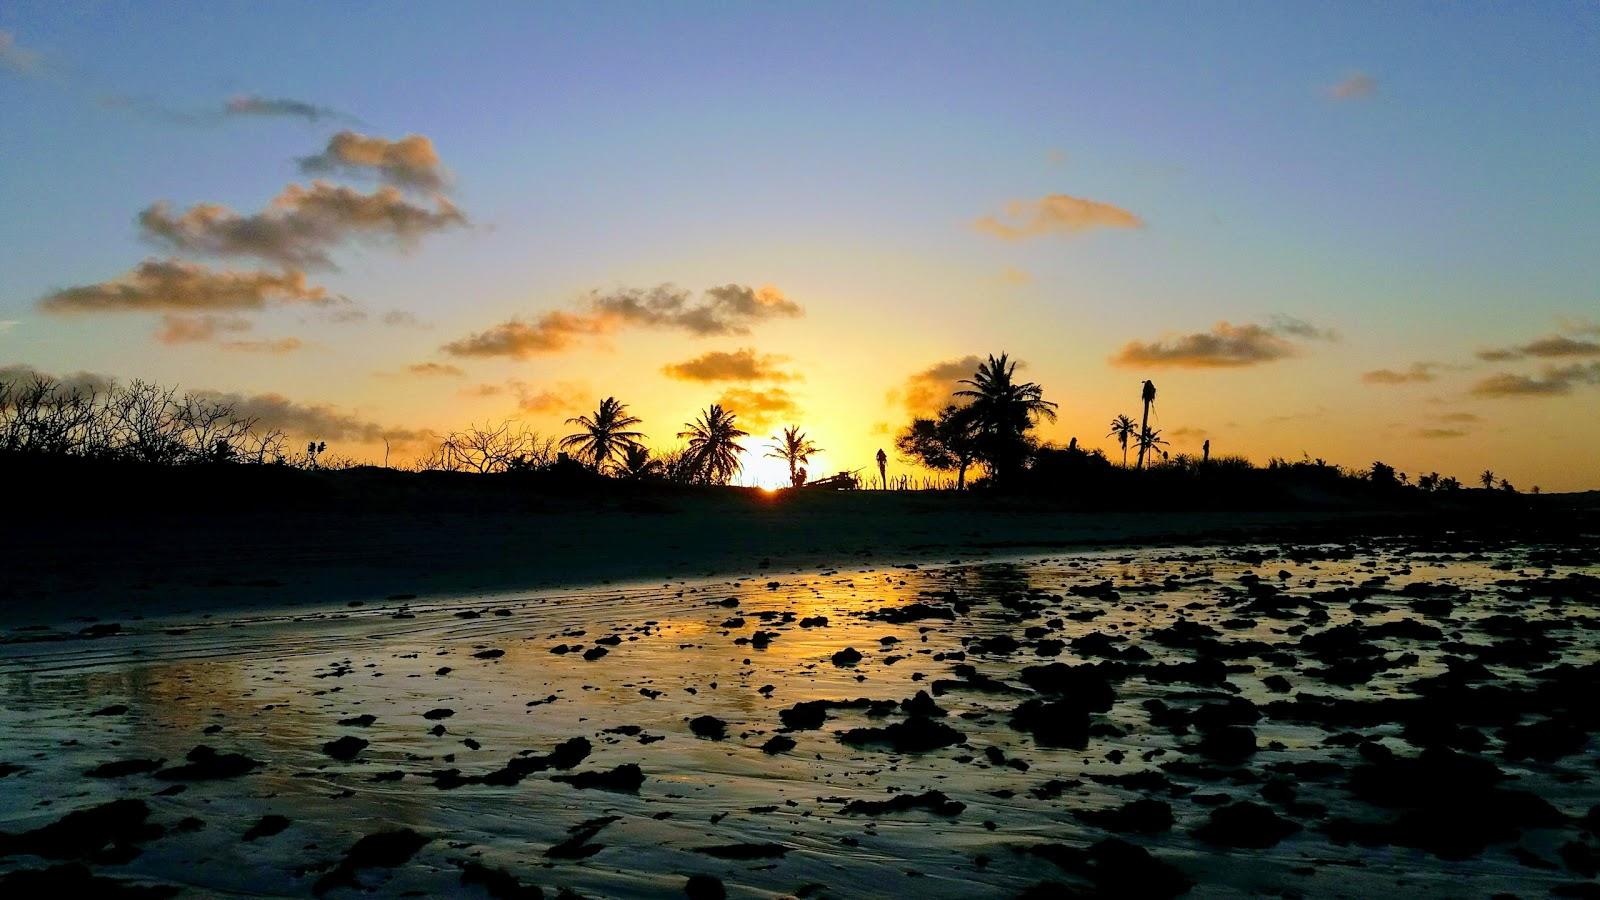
(1353, 232)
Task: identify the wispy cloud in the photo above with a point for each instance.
(16, 58)
(410, 162)
(739, 365)
(171, 285)
(1225, 346)
(726, 310)
(1553, 381)
(301, 225)
(1055, 214)
(275, 347)
(1551, 346)
(435, 370)
(253, 105)
(1419, 373)
(1355, 86)
(1439, 433)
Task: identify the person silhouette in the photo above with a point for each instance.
(1205, 451)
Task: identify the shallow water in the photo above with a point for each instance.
(275, 687)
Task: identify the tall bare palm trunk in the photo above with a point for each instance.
(1149, 397)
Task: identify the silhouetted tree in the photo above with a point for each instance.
(605, 435)
(883, 469)
(1150, 442)
(943, 444)
(1003, 410)
(713, 445)
(1382, 474)
(1123, 429)
(637, 464)
(1487, 479)
(794, 448)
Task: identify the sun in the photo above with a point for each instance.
(763, 471)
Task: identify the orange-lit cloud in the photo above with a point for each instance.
(196, 329)
(728, 309)
(301, 225)
(173, 285)
(740, 365)
(928, 391)
(1224, 346)
(1418, 373)
(563, 396)
(315, 421)
(1055, 214)
(1357, 86)
(1438, 433)
(759, 410)
(409, 162)
(433, 369)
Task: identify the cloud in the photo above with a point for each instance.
(1015, 277)
(315, 421)
(1224, 346)
(1356, 86)
(728, 309)
(409, 162)
(1463, 417)
(1439, 433)
(740, 365)
(279, 346)
(21, 373)
(197, 329)
(928, 391)
(300, 226)
(759, 410)
(1418, 373)
(1551, 346)
(1188, 433)
(564, 396)
(16, 58)
(400, 318)
(550, 333)
(252, 105)
(8, 324)
(158, 285)
(435, 370)
(1056, 214)
(1554, 381)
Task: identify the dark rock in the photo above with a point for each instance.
(1245, 824)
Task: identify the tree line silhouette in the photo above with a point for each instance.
(987, 425)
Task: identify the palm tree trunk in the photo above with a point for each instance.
(1144, 426)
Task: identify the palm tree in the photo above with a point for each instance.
(1123, 429)
(1487, 479)
(1148, 395)
(1003, 411)
(795, 449)
(713, 445)
(1149, 441)
(604, 435)
(637, 464)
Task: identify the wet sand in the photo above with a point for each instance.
(1371, 718)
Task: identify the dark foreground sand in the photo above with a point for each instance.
(127, 563)
(1368, 717)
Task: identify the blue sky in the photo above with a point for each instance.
(842, 153)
